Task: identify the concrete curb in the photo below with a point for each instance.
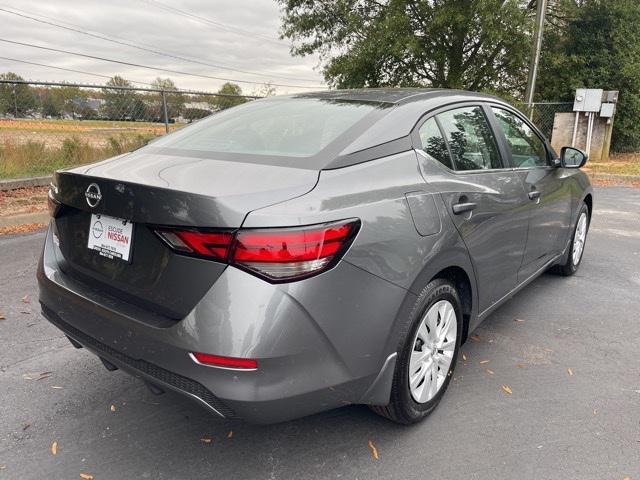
(15, 183)
(24, 219)
(626, 179)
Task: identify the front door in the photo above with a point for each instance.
(550, 198)
(486, 200)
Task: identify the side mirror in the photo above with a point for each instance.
(571, 157)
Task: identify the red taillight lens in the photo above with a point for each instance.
(224, 362)
(214, 245)
(286, 254)
(277, 254)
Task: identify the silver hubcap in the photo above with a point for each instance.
(433, 347)
(579, 238)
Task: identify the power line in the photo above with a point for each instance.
(65, 69)
(223, 26)
(131, 64)
(151, 50)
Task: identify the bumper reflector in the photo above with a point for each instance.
(209, 360)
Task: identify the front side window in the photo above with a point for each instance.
(433, 142)
(527, 149)
(470, 139)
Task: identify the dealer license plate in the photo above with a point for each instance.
(111, 237)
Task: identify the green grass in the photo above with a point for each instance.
(35, 158)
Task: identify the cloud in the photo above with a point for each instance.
(246, 39)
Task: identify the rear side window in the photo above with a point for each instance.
(470, 139)
(299, 127)
(433, 142)
(527, 149)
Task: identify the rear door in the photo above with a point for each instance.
(549, 203)
(485, 198)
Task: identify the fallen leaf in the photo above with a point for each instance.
(595, 411)
(43, 376)
(206, 440)
(507, 389)
(2, 317)
(475, 338)
(113, 408)
(548, 350)
(54, 448)
(489, 371)
(464, 357)
(570, 372)
(626, 478)
(25, 312)
(26, 426)
(86, 476)
(374, 450)
(482, 362)
(25, 299)
(518, 320)
(230, 434)
(56, 387)
(2, 467)
(519, 365)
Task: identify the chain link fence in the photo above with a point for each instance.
(45, 126)
(543, 114)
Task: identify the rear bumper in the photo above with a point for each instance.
(312, 353)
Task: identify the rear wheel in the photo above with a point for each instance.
(578, 241)
(427, 354)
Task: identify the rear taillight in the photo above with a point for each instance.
(214, 245)
(277, 254)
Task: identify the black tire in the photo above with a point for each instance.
(569, 268)
(402, 408)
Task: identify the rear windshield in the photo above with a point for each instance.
(288, 127)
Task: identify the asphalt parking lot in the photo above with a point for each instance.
(567, 349)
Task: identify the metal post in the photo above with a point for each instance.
(535, 55)
(575, 130)
(164, 109)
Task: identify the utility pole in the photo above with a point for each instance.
(535, 55)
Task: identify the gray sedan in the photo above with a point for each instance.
(299, 253)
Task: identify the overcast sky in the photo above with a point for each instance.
(246, 39)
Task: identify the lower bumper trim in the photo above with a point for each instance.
(173, 380)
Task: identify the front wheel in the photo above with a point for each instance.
(578, 241)
(427, 354)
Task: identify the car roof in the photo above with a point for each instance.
(392, 96)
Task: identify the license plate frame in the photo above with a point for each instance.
(111, 237)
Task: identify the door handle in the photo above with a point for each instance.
(459, 208)
(534, 195)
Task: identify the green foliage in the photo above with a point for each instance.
(175, 101)
(221, 103)
(122, 104)
(37, 158)
(596, 45)
(16, 99)
(471, 44)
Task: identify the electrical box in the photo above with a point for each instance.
(588, 100)
(607, 110)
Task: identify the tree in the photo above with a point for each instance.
(221, 103)
(175, 101)
(16, 99)
(265, 90)
(597, 46)
(472, 44)
(122, 104)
